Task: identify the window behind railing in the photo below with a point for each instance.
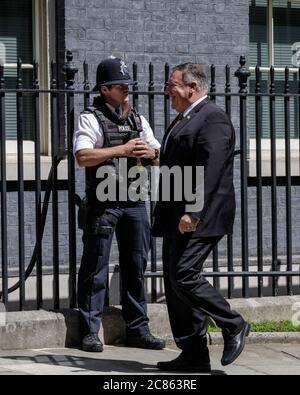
(16, 42)
(274, 41)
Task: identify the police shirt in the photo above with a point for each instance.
(89, 134)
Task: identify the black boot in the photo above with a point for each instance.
(92, 343)
(147, 341)
(187, 363)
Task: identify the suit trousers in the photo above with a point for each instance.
(190, 298)
(133, 238)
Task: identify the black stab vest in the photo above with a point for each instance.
(116, 131)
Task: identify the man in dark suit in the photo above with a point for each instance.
(201, 135)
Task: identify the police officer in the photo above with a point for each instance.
(108, 131)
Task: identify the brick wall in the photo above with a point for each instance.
(144, 31)
(174, 31)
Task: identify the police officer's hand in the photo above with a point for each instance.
(143, 150)
(129, 149)
(137, 148)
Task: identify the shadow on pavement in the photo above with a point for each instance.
(90, 364)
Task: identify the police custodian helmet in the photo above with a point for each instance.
(112, 71)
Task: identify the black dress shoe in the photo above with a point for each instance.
(92, 343)
(147, 341)
(183, 364)
(234, 345)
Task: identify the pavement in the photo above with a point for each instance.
(256, 359)
(21, 330)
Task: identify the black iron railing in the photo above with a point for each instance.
(52, 187)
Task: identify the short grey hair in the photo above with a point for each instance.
(193, 72)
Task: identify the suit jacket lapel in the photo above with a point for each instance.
(186, 119)
(176, 129)
(169, 129)
(171, 126)
(180, 125)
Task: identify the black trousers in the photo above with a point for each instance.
(190, 297)
(133, 237)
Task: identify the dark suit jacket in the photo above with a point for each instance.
(206, 138)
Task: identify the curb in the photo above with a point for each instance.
(44, 329)
(216, 339)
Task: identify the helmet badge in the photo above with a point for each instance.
(123, 68)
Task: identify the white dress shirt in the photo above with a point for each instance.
(89, 133)
(189, 109)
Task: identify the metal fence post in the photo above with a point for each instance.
(20, 172)
(153, 239)
(54, 163)
(243, 74)
(3, 190)
(259, 187)
(38, 189)
(272, 117)
(70, 71)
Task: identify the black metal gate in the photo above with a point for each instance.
(53, 185)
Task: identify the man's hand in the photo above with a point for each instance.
(137, 148)
(143, 150)
(188, 224)
(129, 148)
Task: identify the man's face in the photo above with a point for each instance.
(116, 94)
(179, 92)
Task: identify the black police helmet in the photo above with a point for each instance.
(112, 71)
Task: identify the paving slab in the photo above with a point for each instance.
(257, 359)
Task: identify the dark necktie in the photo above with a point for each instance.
(180, 116)
(178, 120)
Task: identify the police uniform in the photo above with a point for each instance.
(100, 126)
